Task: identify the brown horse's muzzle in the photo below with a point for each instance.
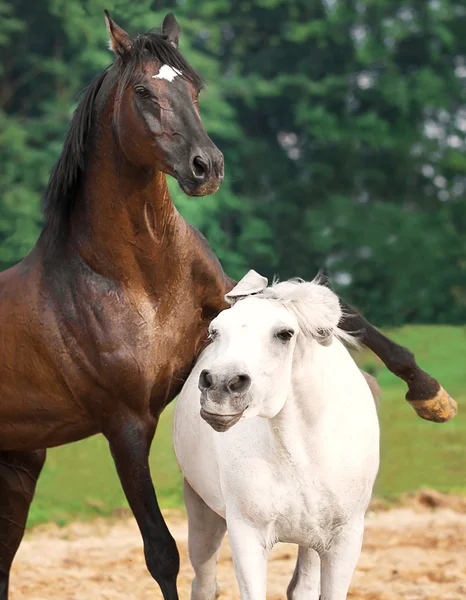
(204, 173)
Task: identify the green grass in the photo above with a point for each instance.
(79, 480)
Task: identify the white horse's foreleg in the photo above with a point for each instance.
(305, 583)
(250, 553)
(340, 560)
(206, 531)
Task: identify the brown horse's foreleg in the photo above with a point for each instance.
(130, 441)
(19, 472)
(425, 394)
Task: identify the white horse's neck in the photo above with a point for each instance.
(319, 399)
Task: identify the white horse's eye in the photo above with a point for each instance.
(284, 335)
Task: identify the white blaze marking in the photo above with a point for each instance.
(167, 72)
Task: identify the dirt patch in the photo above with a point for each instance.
(415, 552)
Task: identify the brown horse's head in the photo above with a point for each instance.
(156, 115)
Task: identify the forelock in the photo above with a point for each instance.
(315, 306)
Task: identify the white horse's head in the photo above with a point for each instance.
(254, 344)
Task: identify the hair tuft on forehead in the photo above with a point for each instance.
(314, 305)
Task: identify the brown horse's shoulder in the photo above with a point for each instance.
(114, 342)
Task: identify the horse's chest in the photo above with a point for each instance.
(181, 336)
(290, 503)
(166, 346)
(142, 350)
(307, 516)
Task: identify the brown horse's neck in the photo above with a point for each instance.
(124, 223)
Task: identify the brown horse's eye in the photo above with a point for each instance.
(285, 335)
(141, 91)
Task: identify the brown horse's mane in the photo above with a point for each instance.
(65, 178)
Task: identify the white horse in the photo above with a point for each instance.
(300, 462)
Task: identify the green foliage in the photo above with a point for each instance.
(80, 481)
(342, 125)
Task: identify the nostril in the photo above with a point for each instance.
(200, 167)
(239, 383)
(205, 380)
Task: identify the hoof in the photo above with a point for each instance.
(439, 409)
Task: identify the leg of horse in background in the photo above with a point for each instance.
(338, 563)
(19, 472)
(206, 532)
(373, 386)
(130, 439)
(305, 583)
(425, 394)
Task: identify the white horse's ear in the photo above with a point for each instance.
(252, 283)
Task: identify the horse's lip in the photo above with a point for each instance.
(195, 190)
(220, 422)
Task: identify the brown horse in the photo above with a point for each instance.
(102, 321)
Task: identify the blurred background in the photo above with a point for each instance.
(343, 126)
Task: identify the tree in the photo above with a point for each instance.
(352, 153)
(342, 125)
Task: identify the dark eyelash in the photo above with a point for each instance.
(285, 335)
(141, 91)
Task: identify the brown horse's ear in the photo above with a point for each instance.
(119, 40)
(171, 29)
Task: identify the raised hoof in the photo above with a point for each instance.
(439, 409)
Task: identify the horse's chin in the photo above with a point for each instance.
(206, 189)
(220, 423)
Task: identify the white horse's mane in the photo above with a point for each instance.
(315, 306)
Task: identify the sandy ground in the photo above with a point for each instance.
(413, 552)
